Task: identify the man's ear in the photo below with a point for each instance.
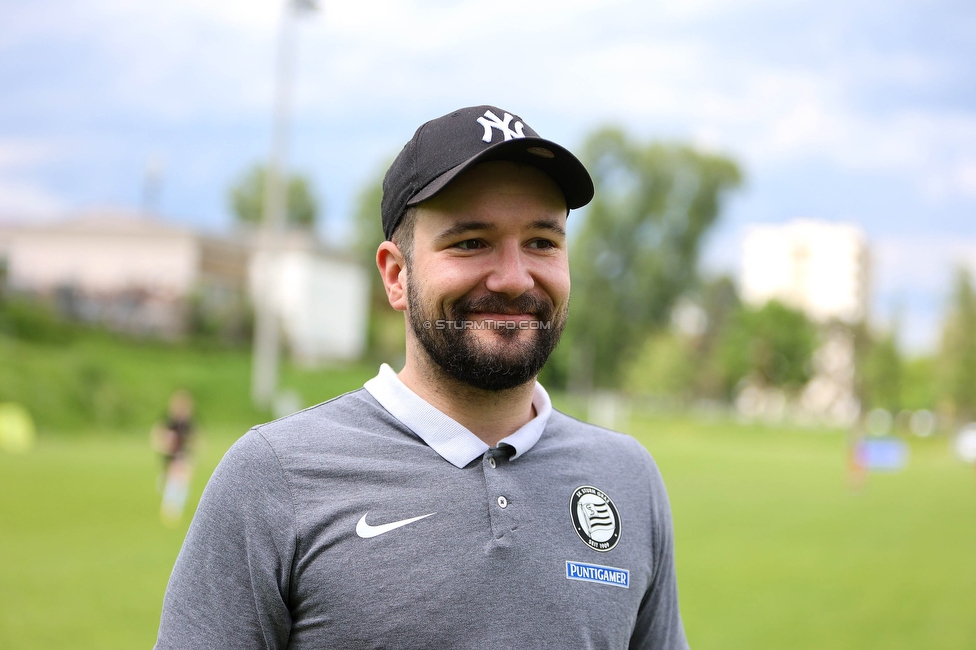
(393, 271)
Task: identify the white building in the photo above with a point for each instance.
(139, 274)
(321, 296)
(818, 267)
(822, 269)
(128, 271)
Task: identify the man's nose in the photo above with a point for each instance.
(509, 274)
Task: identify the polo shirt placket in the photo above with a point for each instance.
(501, 492)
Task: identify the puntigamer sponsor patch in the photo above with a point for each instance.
(595, 573)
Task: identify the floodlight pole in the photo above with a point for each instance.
(264, 369)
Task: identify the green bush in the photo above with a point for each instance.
(32, 320)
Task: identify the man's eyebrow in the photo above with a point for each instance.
(463, 227)
(548, 224)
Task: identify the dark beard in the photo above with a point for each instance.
(459, 353)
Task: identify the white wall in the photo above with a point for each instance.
(815, 266)
(323, 303)
(103, 263)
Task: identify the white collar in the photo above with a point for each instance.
(454, 442)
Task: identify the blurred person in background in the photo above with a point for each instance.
(172, 439)
(447, 505)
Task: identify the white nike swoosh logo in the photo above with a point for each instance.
(366, 531)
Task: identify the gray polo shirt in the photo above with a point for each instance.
(375, 521)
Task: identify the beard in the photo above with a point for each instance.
(515, 356)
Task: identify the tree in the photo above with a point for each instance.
(368, 226)
(773, 345)
(882, 373)
(683, 363)
(719, 300)
(957, 354)
(664, 365)
(247, 199)
(919, 386)
(637, 250)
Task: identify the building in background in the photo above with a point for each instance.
(322, 297)
(146, 276)
(819, 267)
(822, 269)
(128, 272)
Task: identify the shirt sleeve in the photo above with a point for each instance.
(659, 623)
(230, 586)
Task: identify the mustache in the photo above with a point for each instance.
(496, 304)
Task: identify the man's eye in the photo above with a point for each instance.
(542, 243)
(469, 244)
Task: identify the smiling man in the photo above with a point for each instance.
(447, 505)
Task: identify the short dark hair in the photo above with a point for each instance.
(403, 235)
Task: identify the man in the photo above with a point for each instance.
(448, 505)
(173, 440)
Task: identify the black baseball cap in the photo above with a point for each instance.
(443, 148)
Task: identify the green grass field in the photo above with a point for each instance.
(774, 551)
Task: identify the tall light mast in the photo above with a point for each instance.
(267, 326)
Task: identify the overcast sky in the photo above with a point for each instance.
(857, 111)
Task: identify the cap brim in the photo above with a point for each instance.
(563, 167)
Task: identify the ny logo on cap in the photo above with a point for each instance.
(491, 121)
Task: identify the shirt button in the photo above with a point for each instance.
(502, 502)
(491, 463)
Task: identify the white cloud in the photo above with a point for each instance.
(913, 278)
(965, 177)
(666, 72)
(21, 196)
(20, 153)
(957, 178)
(922, 264)
(26, 200)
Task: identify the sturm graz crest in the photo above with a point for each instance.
(595, 518)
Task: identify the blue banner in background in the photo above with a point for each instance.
(883, 454)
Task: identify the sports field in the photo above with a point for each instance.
(774, 550)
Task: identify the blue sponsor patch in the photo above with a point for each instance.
(606, 575)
